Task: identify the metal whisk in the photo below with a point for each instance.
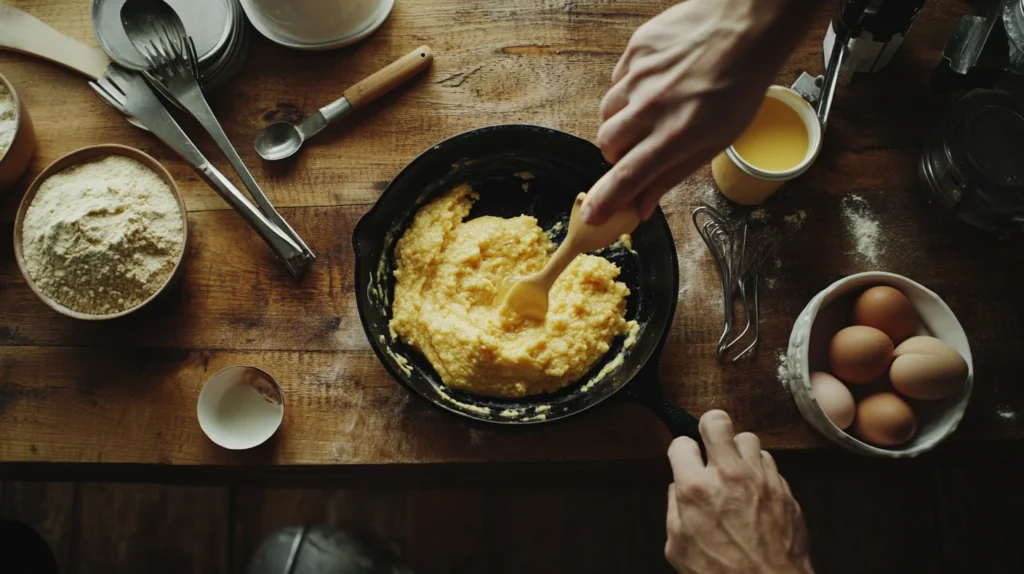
(719, 233)
(739, 255)
(751, 261)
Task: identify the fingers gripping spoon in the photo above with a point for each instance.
(157, 33)
(528, 296)
(282, 139)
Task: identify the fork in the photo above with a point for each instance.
(156, 31)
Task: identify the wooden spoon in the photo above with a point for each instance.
(24, 33)
(528, 296)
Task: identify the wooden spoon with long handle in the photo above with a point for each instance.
(528, 296)
(22, 32)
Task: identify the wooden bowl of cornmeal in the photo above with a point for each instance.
(101, 232)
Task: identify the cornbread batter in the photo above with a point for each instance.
(447, 273)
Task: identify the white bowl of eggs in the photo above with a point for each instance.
(880, 365)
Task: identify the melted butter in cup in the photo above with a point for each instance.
(779, 145)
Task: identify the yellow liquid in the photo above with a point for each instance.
(776, 140)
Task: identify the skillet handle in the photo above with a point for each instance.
(647, 391)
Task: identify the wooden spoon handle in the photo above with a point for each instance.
(386, 79)
(560, 259)
(592, 237)
(22, 32)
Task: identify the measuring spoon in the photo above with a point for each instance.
(282, 139)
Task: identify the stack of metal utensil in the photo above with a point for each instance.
(739, 254)
(169, 64)
(217, 27)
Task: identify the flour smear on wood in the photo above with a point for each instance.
(862, 223)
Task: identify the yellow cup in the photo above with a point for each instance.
(747, 184)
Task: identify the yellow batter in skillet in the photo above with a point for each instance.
(447, 272)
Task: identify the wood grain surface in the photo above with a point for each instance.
(125, 391)
(186, 529)
(927, 515)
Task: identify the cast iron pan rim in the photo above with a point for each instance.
(630, 389)
(423, 156)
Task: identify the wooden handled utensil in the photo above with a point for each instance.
(389, 77)
(528, 296)
(24, 33)
(282, 139)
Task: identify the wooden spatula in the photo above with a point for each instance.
(528, 296)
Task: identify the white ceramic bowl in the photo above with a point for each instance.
(316, 24)
(240, 407)
(828, 312)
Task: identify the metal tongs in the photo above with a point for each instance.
(128, 93)
(739, 270)
(157, 32)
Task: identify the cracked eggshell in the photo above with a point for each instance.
(240, 407)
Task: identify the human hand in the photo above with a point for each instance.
(735, 514)
(689, 82)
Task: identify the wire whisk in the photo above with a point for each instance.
(739, 255)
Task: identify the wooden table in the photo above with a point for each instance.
(124, 392)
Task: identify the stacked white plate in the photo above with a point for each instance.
(317, 24)
(217, 28)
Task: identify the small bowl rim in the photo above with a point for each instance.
(199, 401)
(17, 114)
(255, 17)
(799, 374)
(78, 157)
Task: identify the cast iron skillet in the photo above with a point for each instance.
(493, 160)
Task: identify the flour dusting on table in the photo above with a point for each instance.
(862, 223)
(782, 371)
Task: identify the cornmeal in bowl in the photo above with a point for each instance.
(447, 272)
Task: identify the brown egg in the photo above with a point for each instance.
(834, 398)
(926, 369)
(888, 310)
(860, 354)
(884, 419)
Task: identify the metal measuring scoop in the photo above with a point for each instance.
(282, 139)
